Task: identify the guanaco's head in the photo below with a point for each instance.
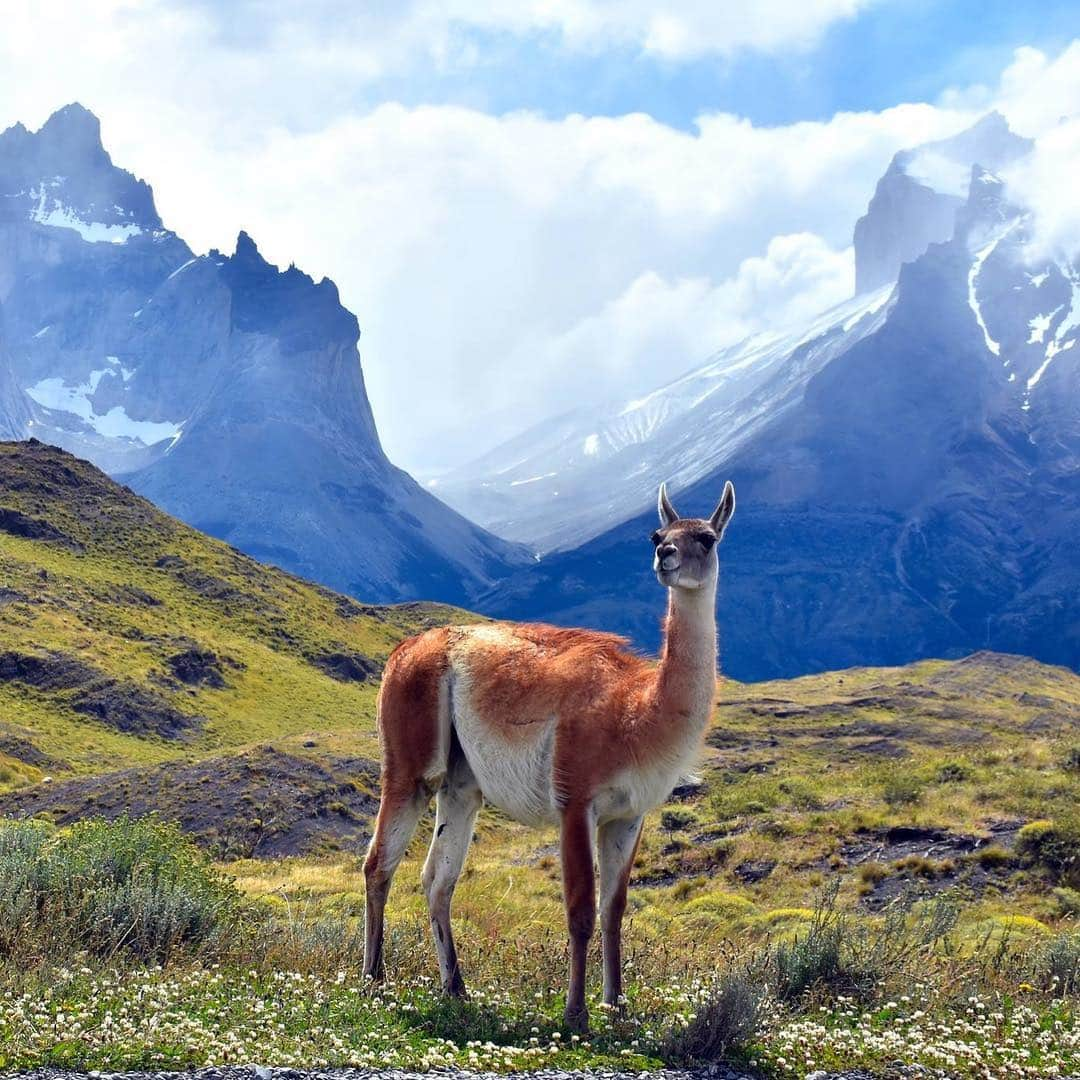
(685, 556)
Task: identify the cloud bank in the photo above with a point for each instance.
(502, 267)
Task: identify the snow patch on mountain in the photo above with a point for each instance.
(981, 255)
(1058, 343)
(52, 212)
(56, 395)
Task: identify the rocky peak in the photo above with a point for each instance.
(918, 201)
(904, 218)
(247, 251)
(987, 207)
(74, 132)
(62, 176)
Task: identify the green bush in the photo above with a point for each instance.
(139, 887)
(727, 1022)
(837, 953)
(1072, 759)
(902, 790)
(1054, 846)
(1058, 965)
(1068, 901)
(677, 818)
(953, 772)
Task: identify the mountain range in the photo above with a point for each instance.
(916, 492)
(227, 391)
(907, 463)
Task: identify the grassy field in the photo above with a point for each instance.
(871, 864)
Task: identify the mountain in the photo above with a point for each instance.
(921, 497)
(229, 392)
(14, 406)
(130, 641)
(916, 201)
(574, 476)
(567, 479)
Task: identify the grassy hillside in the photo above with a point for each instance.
(239, 700)
(128, 639)
(146, 668)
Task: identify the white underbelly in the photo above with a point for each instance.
(514, 772)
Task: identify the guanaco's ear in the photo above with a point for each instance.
(665, 509)
(722, 514)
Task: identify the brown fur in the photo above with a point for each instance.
(609, 721)
(408, 709)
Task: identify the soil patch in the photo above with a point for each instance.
(135, 711)
(47, 671)
(347, 666)
(196, 666)
(16, 523)
(923, 861)
(261, 803)
(22, 749)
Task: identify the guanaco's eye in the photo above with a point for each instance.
(706, 540)
(656, 538)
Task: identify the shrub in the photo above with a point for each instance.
(678, 818)
(1059, 964)
(952, 772)
(1068, 901)
(873, 872)
(902, 790)
(137, 886)
(1053, 845)
(728, 1021)
(800, 794)
(1072, 759)
(840, 954)
(994, 856)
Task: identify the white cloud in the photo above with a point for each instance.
(690, 29)
(1037, 92)
(484, 255)
(463, 241)
(657, 328)
(1046, 182)
(469, 245)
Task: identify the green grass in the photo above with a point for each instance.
(107, 599)
(805, 787)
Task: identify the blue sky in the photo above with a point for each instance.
(535, 204)
(888, 53)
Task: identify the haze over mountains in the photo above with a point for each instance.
(228, 392)
(563, 481)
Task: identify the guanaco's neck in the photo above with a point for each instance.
(686, 677)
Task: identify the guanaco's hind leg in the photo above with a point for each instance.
(579, 894)
(456, 805)
(617, 843)
(414, 731)
(398, 817)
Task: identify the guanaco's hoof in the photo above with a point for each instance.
(577, 1020)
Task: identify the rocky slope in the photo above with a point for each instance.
(916, 201)
(229, 392)
(567, 479)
